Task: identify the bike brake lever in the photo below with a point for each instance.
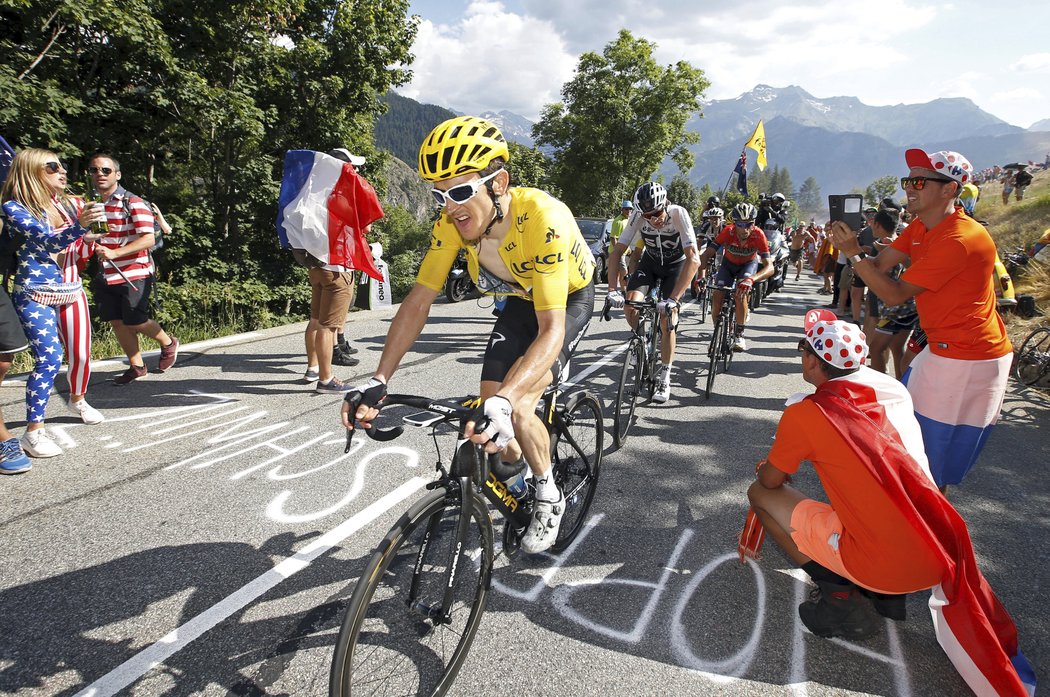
(606, 315)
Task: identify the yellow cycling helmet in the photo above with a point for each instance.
(458, 146)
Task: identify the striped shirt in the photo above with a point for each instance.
(124, 230)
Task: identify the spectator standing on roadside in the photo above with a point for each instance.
(126, 275)
(1021, 181)
(618, 223)
(49, 299)
(1008, 185)
(968, 197)
(959, 382)
(332, 292)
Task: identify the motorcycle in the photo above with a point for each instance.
(778, 252)
(458, 285)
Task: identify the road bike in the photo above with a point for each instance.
(417, 606)
(720, 350)
(641, 363)
(1032, 366)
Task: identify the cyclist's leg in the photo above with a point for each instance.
(741, 272)
(638, 285)
(723, 277)
(667, 337)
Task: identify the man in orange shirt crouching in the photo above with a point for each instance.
(887, 530)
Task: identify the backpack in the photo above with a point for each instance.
(1023, 178)
(158, 234)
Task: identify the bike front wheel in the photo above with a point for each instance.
(396, 638)
(714, 353)
(1033, 360)
(627, 391)
(576, 454)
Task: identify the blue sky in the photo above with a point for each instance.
(479, 55)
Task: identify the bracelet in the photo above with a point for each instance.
(859, 257)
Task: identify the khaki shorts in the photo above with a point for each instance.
(331, 295)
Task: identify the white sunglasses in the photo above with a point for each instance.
(462, 193)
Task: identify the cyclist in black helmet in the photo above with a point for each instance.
(669, 260)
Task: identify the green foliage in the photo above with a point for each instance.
(881, 188)
(530, 167)
(685, 194)
(405, 240)
(622, 114)
(809, 201)
(405, 124)
(199, 102)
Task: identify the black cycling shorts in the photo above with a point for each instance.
(651, 272)
(517, 327)
(12, 336)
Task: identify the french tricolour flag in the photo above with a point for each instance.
(324, 208)
(971, 624)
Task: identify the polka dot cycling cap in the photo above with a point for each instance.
(842, 344)
(944, 162)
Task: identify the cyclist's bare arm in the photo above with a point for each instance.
(764, 271)
(614, 263)
(709, 252)
(686, 273)
(404, 330)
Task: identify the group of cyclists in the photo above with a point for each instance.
(523, 244)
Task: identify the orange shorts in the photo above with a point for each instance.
(816, 529)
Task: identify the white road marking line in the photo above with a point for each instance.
(177, 639)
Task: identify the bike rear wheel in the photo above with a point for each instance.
(576, 454)
(1033, 360)
(627, 391)
(703, 303)
(393, 640)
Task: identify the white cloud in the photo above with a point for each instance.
(491, 59)
(1033, 62)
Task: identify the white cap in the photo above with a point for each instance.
(346, 156)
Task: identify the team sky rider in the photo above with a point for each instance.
(745, 259)
(521, 244)
(670, 260)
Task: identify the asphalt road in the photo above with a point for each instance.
(206, 538)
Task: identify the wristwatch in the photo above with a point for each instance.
(858, 257)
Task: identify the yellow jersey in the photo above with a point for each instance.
(544, 251)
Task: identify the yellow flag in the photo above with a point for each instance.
(758, 144)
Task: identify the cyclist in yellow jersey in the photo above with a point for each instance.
(522, 244)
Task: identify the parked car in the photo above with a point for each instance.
(597, 232)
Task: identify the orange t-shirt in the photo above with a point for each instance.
(953, 262)
(878, 546)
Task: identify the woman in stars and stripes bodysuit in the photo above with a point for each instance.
(48, 294)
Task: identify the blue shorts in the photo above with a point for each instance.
(729, 272)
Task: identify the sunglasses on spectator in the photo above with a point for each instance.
(919, 183)
(53, 167)
(95, 170)
(462, 193)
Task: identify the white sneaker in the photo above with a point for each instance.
(739, 345)
(663, 385)
(543, 530)
(89, 414)
(38, 444)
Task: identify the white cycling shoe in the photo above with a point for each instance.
(546, 521)
(663, 385)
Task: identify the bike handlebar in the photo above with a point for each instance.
(449, 408)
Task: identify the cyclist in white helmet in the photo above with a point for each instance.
(669, 260)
